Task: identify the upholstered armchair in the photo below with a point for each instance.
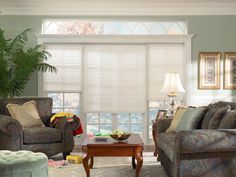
(46, 139)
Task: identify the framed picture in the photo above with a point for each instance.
(161, 114)
(209, 70)
(230, 70)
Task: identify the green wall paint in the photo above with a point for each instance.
(211, 33)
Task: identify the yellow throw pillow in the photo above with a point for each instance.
(27, 114)
(176, 119)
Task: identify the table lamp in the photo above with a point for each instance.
(172, 85)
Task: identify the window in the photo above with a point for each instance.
(65, 102)
(106, 122)
(112, 85)
(163, 58)
(98, 27)
(99, 122)
(131, 122)
(68, 61)
(65, 85)
(114, 78)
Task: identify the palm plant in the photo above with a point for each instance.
(17, 63)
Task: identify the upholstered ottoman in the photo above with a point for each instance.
(23, 164)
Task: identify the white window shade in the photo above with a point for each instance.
(163, 58)
(114, 78)
(67, 59)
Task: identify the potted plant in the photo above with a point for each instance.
(18, 62)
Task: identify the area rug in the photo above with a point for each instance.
(112, 167)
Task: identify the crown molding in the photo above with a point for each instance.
(117, 8)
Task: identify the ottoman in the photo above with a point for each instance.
(23, 164)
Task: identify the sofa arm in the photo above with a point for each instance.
(161, 125)
(202, 141)
(11, 133)
(67, 129)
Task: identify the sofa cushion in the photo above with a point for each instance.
(176, 119)
(27, 114)
(203, 141)
(215, 120)
(166, 142)
(228, 121)
(42, 135)
(191, 119)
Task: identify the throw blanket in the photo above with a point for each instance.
(70, 118)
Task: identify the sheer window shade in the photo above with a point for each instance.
(67, 59)
(114, 78)
(163, 58)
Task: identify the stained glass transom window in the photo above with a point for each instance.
(85, 27)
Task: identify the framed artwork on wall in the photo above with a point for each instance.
(161, 114)
(230, 70)
(209, 70)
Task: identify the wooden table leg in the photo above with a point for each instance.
(91, 162)
(86, 165)
(133, 162)
(139, 159)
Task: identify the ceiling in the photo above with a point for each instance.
(118, 7)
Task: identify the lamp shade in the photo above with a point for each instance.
(172, 84)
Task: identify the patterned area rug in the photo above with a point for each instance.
(112, 167)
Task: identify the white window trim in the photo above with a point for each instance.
(127, 39)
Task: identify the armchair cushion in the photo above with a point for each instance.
(201, 141)
(41, 135)
(27, 114)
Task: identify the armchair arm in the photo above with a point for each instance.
(11, 133)
(67, 129)
(201, 141)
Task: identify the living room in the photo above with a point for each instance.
(145, 40)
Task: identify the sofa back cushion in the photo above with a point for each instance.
(215, 119)
(214, 114)
(191, 119)
(176, 119)
(228, 121)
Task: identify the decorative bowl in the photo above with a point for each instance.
(120, 137)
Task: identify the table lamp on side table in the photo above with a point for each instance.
(172, 86)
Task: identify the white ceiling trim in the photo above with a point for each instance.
(118, 9)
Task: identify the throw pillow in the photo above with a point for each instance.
(207, 117)
(216, 118)
(27, 114)
(228, 121)
(191, 119)
(176, 119)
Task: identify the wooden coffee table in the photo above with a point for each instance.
(133, 147)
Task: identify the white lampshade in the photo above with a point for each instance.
(172, 84)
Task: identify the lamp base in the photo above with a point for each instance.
(172, 108)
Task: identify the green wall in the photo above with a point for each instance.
(211, 33)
